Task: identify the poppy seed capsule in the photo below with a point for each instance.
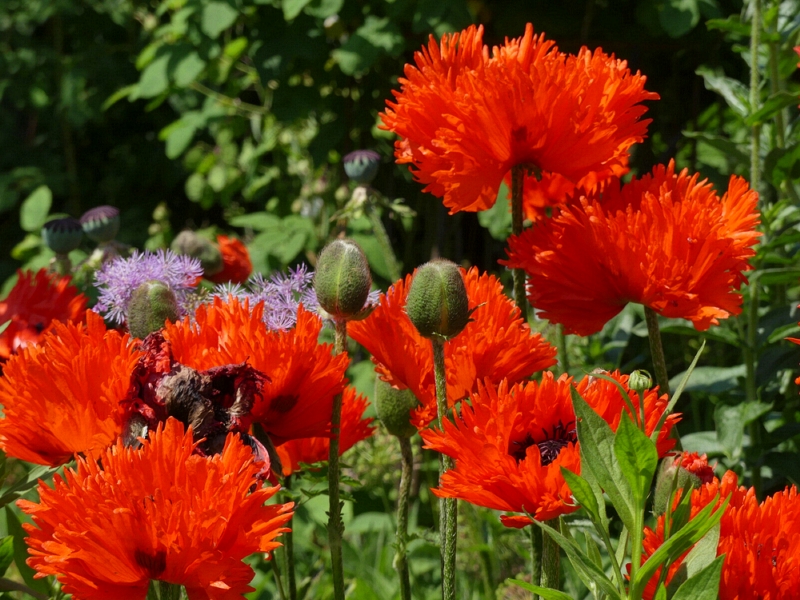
(152, 303)
(101, 223)
(62, 236)
(362, 165)
(394, 408)
(190, 244)
(437, 301)
(342, 280)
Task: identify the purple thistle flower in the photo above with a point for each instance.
(117, 279)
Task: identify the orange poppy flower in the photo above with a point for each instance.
(466, 117)
(509, 444)
(497, 344)
(35, 302)
(666, 241)
(760, 542)
(236, 265)
(159, 512)
(313, 450)
(62, 396)
(304, 375)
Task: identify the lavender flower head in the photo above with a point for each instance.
(281, 294)
(117, 279)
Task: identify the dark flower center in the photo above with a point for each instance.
(557, 438)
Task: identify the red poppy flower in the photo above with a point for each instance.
(497, 344)
(155, 513)
(666, 241)
(304, 375)
(308, 451)
(509, 444)
(35, 302)
(760, 542)
(466, 117)
(236, 265)
(62, 396)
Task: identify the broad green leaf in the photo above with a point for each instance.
(597, 456)
(582, 492)
(375, 37)
(732, 90)
(699, 557)
(21, 553)
(731, 422)
(6, 554)
(713, 380)
(771, 106)
(260, 221)
(661, 594)
(187, 70)
(545, 593)
(637, 456)
(292, 8)
(497, 219)
(679, 17)
(732, 150)
(217, 17)
(234, 48)
(702, 442)
(704, 585)
(154, 79)
(732, 24)
(34, 209)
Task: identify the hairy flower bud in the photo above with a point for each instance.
(394, 408)
(191, 244)
(342, 280)
(152, 303)
(101, 223)
(640, 380)
(62, 236)
(437, 301)
(686, 472)
(362, 165)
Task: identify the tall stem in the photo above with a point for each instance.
(536, 556)
(563, 352)
(162, 590)
(383, 239)
(400, 557)
(551, 556)
(448, 515)
(755, 41)
(335, 524)
(517, 191)
(750, 352)
(657, 350)
(288, 540)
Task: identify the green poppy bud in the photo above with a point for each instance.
(101, 223)
(437, 301)
(62, 236)
(191, 244)
(342, 280)
(152, 303)
(640, 380)
(394, 408)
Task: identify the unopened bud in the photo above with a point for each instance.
(191, 244)
(640, 380)
(686, 472)
(362, 165)
(101, 223)
(62, 236)
(152, 303)
(437, 301)
(342, 280)
(394, 408)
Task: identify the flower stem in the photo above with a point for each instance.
(750, 353)
(563, 351)
(536, 556)
(551, 555)
(163, 590)
(288, 539)
(517, 191)
(400, 557)
(657, 350)
(335, 524)
(383, 240)
(755, 41)
(448, 517)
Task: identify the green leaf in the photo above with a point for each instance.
(723, 144)
(6, 554)
(34, 209)
(702, 442)
(661, 594)
(154, 79)
(118, 95)
(732, 90)
(679, 17)
(21, 553)
(677, 394)
(731, 422)
(497, 219)
(187, 70)
(375, 37)
(782, 164)
(699, 557)
(713, 380)
(732, 24)
(582, 492)
(545, 593)
(637, 456)
(597, 455)
(217, 17)
(24, 484)
(704, 585)
(292, 8)
(771, 106)
(260, 221)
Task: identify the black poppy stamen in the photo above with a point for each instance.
(550, 447)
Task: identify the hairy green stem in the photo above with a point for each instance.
(750, 354)
(288, 541)
(162, 590)
(755, 41)
(448, 517)
(637, 539)
(383, 240)
(551, 555)
(536, 556)
(400, 556)
(517, 191)
(278, 581)
(335, 524)
(563, 349)
(657, 350)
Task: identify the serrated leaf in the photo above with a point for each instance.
(217, 17)
(704, 585)
(637, 456)
(35, 208)
(597, 455)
